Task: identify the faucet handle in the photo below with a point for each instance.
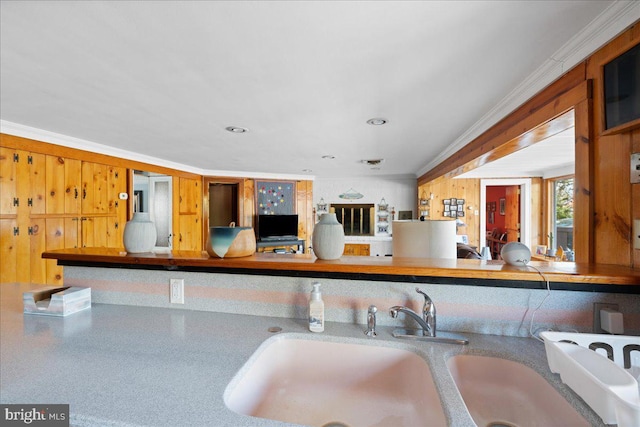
(421, 292)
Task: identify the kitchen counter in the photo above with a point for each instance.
(562, 275)
(140, 366)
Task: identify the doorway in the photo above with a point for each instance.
(223, 204)
(152, 193)
(512, 208)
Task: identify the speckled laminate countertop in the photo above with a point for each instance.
(137, 366)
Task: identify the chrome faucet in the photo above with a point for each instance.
(428, 320)
(371, 321)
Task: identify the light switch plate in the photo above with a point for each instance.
(635, 168)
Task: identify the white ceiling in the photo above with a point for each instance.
(549, 158)
(159, 81)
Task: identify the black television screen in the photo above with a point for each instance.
(270, 226)
(622, 89)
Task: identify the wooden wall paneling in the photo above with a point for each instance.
(537, 209)
(467, 189)
(612, 233)
(584, 181)
(72, 186)
(9, 251)
(612, 201)
(55, 239)
(8, 181)
(37, 183)
(55, 180)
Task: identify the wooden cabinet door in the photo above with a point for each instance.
(190, 196)
(38, 244)
(55, 185)
(189, 234)
(95, 183)
(72, 233)
(37, 183)
(94, 232)
(72, 186)
(117, 208)
(62, 185)
(55, 239)
(8, 176)
(117, 179)
(9, 250)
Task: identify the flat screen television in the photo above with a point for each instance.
(621, 79)
(277, 226)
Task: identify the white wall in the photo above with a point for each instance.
(400, 193)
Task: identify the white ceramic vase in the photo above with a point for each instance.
(139, 234)
(327, 240)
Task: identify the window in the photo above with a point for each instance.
(562, 214)
(357, 220)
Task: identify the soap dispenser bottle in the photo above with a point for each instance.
(316, 310)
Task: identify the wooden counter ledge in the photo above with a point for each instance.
(562, 275)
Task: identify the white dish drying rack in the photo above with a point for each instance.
(604, 370)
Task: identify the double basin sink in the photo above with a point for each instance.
(336, 384)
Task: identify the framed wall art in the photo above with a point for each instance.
(453, 207)
(275, 197)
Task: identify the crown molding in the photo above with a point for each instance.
(611, 22)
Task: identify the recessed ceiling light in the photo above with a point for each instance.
(377, 121)
(236, 129)
(307, 170)
(329, 157)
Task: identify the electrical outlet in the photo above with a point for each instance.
(597, 306)
(176, 289)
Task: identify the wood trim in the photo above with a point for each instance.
(583, 185)
(553, 101)
(623, 128)
(19, 143)
(207, 181)
(615, 201)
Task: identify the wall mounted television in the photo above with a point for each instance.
(621, 81)
(277, 226)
